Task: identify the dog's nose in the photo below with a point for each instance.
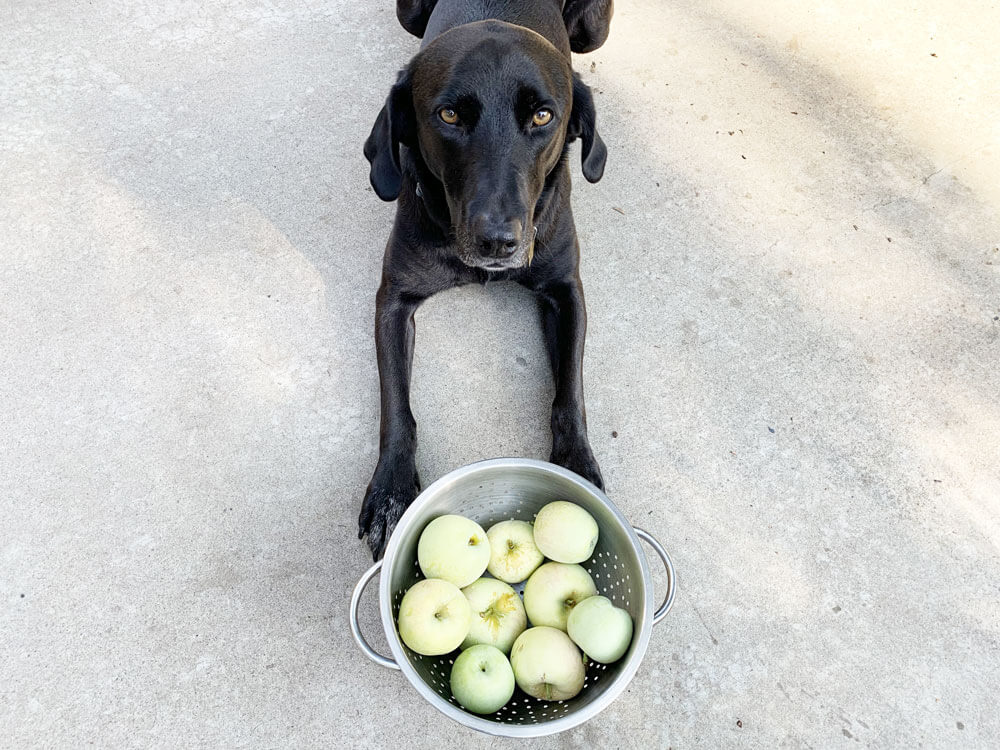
(497, 237)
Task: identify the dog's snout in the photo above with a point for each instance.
(498, 237)
(500, 244)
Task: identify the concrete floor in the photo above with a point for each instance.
(793, 275)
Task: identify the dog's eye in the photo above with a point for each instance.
(541, 117)
(450, 116)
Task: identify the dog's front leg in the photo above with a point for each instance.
(564, 322)
(395, 482)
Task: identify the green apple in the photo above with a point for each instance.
(434, 617)
(552, 592)
(482, 679)
(513, 554)
(565, 532)
(497, 614)
(454, 549)
(547, 665)
(601, 629)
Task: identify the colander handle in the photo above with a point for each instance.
(668, 600)
(371, 653)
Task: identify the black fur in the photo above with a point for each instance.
(486, 197)
(587, 22)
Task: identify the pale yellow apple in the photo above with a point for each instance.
(547, 665)
(513, 554)
(434, 617)
(454, 549)
(497, 614)
(552, 592)
(565, 532)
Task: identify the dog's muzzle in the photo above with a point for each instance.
(497, 254)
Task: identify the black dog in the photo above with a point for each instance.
(472, 141)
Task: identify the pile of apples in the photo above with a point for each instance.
(455, 606)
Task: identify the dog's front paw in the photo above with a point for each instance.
(577, 456)
(389, 494)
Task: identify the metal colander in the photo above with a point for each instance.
(498, 490)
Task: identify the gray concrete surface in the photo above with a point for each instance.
(792, 275)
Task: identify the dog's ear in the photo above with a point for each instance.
(413, 15)
(588, 23)
(394, 125)
(582, 125)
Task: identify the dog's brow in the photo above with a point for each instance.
(468, 101)
(530, 98)
(468, 106)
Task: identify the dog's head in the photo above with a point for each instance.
(487, 110)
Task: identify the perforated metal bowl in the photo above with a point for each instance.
(498, 490)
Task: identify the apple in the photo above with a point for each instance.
(434, 617)
(601, 629)
(482, 679)
(546, 664)
(454, 549)
(497, 614)
(565, 532)
(552, 592)
(513, 554)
